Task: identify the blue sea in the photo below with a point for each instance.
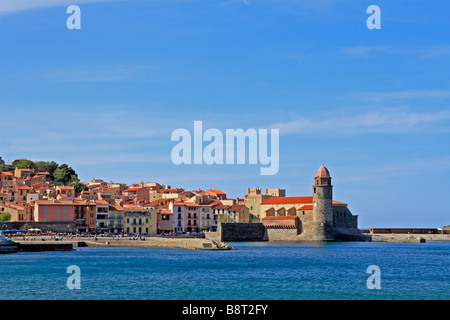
(256, 270)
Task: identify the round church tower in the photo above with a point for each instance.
(322, 206)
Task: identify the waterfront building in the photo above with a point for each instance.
(192, 219)
(253, 201)
(165, 219)
(178, 210)
(116, 216)
(18, 212)
(54, 211)
(102, 216)
(207, 221)
(139, 221)
(316, 218)
(237, 213)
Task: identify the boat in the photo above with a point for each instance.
(7, 245)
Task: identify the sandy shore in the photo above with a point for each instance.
(401, 236)
(181, 243)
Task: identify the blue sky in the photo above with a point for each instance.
(371, 105)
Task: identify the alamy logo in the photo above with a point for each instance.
(74, 281)
(213, 153)
(374, 281)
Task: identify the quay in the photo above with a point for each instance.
(42, 244)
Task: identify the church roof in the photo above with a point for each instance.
(323, 172)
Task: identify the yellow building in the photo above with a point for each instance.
(139, 221)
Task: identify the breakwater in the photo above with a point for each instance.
(180, 243)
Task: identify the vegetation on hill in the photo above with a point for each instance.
(60, 173)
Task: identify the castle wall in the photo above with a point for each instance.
(343, 218)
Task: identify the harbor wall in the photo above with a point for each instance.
(44, 226)
(241, 232)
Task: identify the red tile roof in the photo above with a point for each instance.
(280, 218)
(294, 200)
(284, 200)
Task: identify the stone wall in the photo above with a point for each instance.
(44, 226)
(241, 232)
(343, 218)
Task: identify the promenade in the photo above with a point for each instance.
(105, 241)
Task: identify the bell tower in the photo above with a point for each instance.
(322, 206)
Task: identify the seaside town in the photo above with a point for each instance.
(100, 207)
(44, 196)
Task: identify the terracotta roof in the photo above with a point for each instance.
(293, 200)
(65, 187)
(115, 207)
(284, 200)
(280, 218)
(235, 207)
(221, 206)
(54, 202)
(306, 207)
(23, 188)
(133, 189)
(215, 191)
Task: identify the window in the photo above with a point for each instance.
(64, 210)
(45, 219)
(45, 210)
(111, 215)
(58, 211)
(68, 219)
(258, 208)
(57, 220)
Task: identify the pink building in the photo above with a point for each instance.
(192, 219)
(54, 211)
(139, 194)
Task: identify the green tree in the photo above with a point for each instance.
(65, 174)
(23, 164)
(6, 167)
(45, 166)
(5, 216)
(78, 186)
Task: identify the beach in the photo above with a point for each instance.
(110, 241)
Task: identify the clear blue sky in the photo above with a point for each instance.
(371, 105)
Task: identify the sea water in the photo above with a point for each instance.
(256, 270)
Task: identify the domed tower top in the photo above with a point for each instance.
(322, 177)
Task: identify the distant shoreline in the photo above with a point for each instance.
(397, 237)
